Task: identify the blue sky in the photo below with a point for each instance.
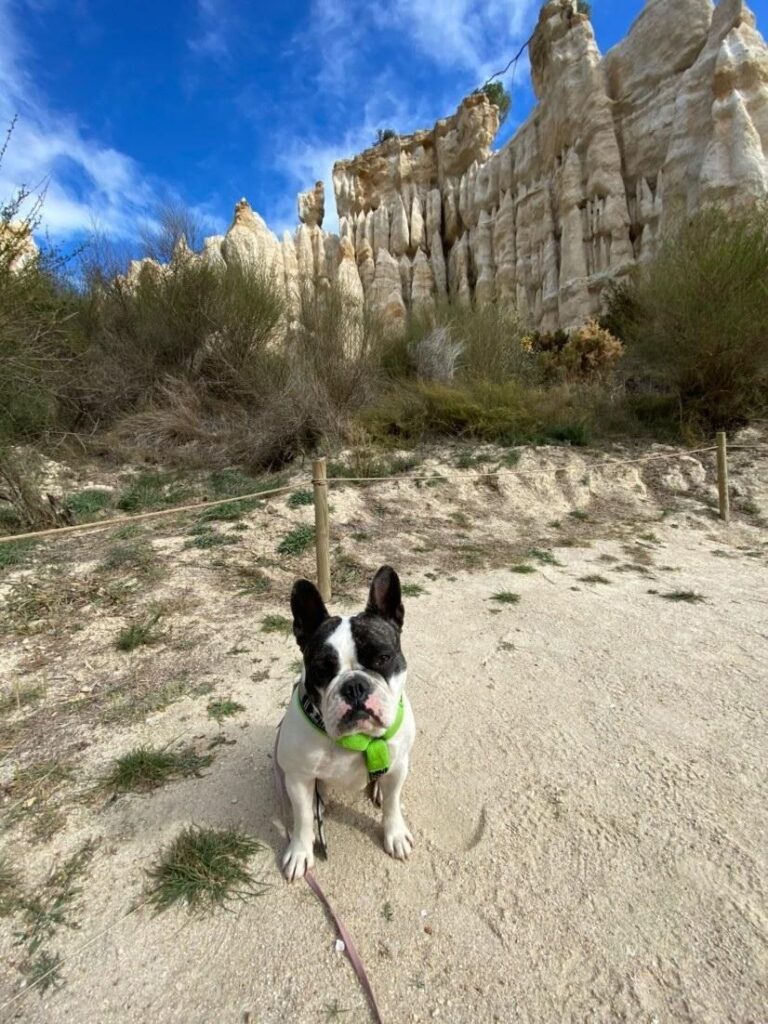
(124, 104)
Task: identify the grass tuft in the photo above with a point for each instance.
(506, 597)
(412, 590)
(253, 580)
(221, 709)
(544, 557)
(204, 868)
(139, 634)
(9, 886)
(231, 483)
(150, 491)
(204, 538)
(594, 578)
(685, 596)
(297, 541)
(142, 697)
(523, 569)
(46, 910)
(129, 555)
(232, 512)
(14, 553)
(299, 498)
(276, 624)
(147, 768)
(87, 504)
(14, 700)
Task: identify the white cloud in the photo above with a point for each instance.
(473, 38)
(84, 179)
(477, 37)
(472, 35)
(305, 159)
(212, 38)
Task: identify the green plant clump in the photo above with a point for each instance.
(204, 868)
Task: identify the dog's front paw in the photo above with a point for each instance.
(398, 841)
(297, 860)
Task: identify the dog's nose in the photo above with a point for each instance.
(355, 690)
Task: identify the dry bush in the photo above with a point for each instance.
(193, 322)
(588, 355)
(262, 395)
(20, 491)
(436, 356)
(489, 338)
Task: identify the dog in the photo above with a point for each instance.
(349, 723)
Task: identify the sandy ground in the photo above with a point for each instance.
(588, 791)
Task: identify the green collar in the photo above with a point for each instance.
(375, 748)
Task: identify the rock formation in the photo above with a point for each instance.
(17, 246)
(617, 147)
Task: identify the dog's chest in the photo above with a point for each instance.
(343, 768)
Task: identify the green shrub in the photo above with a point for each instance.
(508, 413)
(500, 98)
(87, 504)
(695, 320)
(152, 490)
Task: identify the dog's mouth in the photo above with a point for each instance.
(356, 716)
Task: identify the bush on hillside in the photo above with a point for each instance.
(587, 355)
(488, 337)
(507, 412)
(262, 403)
(695, 320)
(36, 312)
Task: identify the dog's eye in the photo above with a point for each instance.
(382, 660)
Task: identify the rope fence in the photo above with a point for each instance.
(319, 482)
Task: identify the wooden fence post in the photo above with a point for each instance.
(322, 530)
(722, 476)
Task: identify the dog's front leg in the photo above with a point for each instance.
(299, 857)
(398, 841)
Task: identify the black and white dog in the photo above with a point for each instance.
(349, 722)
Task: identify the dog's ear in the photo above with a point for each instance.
(385, 598)
(308, 609)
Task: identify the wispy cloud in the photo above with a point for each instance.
(84, 179)
(454, 44)
(469, 34)
(472, 36)
(305, 158)
(211, 37)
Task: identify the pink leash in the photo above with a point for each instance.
(349, 947)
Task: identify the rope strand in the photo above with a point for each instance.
(107, 524)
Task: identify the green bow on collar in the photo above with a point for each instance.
(374, 748)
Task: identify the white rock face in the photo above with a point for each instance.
(617, 148)
(673, 117)
(312, 206)
(385, 295)
(17, 246)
